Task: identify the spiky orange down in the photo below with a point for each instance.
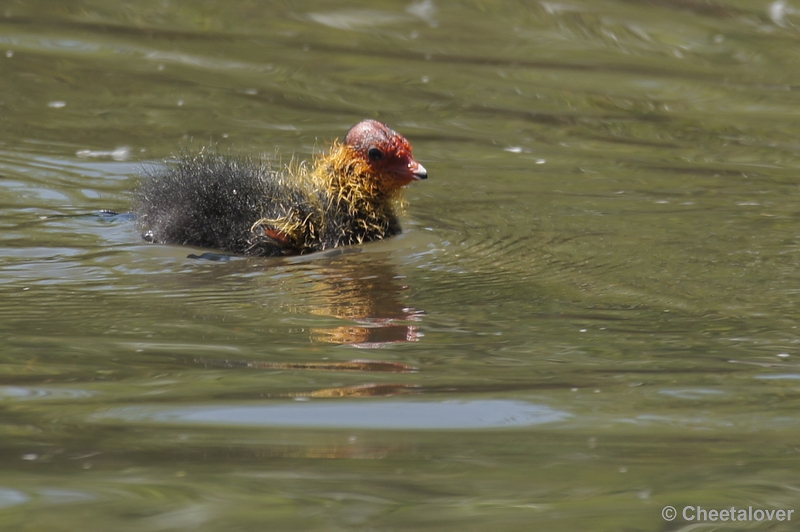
(340, 182)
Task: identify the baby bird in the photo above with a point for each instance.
(238, 205)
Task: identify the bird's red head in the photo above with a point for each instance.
(385, 151)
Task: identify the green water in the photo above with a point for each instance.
(591, 314)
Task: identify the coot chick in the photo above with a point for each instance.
(242, 206)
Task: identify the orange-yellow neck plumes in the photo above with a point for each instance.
(352, 181)
(355, 200)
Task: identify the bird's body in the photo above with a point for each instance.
(238, 205)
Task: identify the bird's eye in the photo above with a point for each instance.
(375, 154)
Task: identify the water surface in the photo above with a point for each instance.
(591, 314)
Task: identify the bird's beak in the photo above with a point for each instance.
(408, 171)
(417, 170)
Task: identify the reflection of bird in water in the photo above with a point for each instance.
(366, 294)
(365, 297)
(371, 333)
(241, 206)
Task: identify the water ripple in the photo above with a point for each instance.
(350, 414)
